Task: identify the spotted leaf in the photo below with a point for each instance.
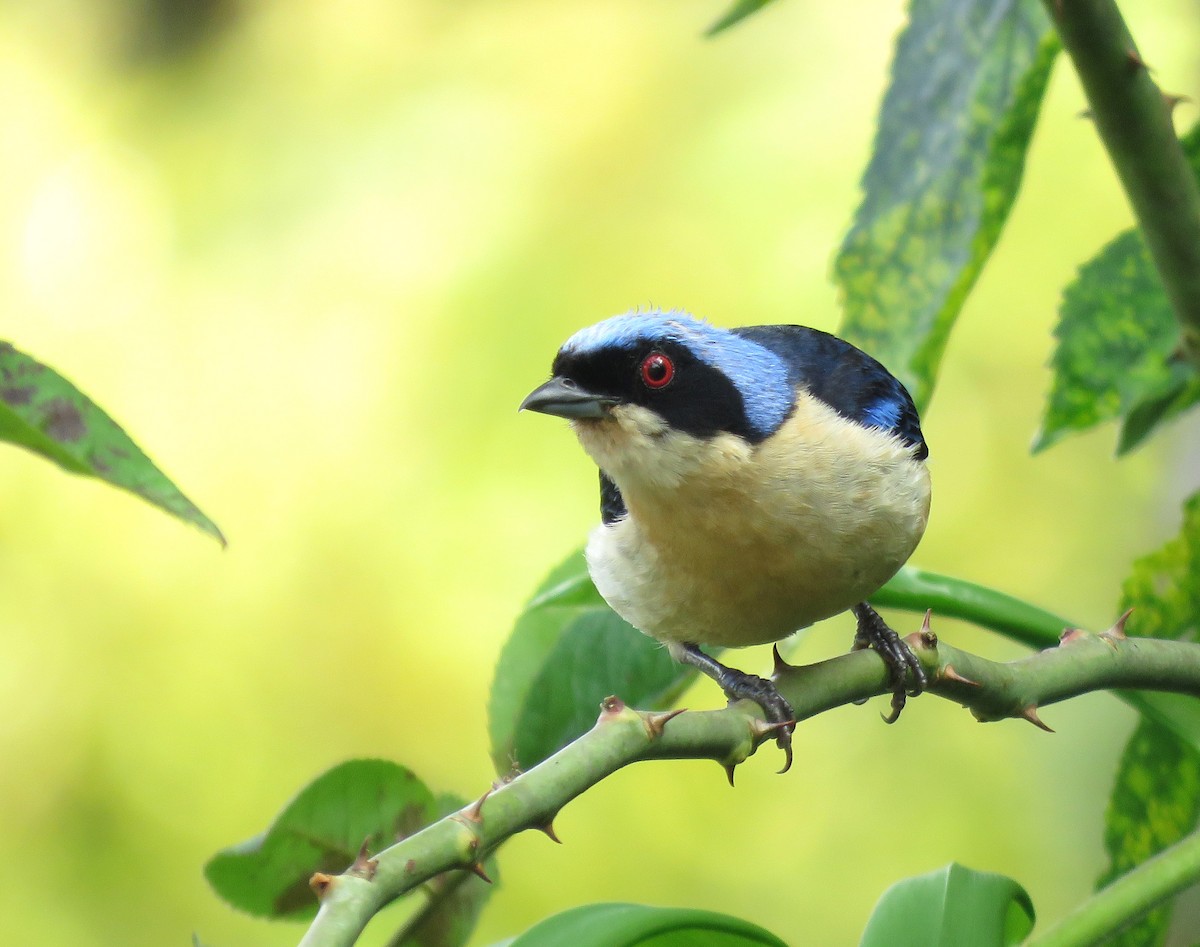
(967, 84)
(43, 412)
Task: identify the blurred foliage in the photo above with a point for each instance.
(160, 31)
(316, 261)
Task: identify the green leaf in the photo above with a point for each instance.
(1117, 354)
(1164, 588)
(43, 412)
(951, 907)
(321, 829)
(735, 14)
(967, 83)
(1155, 803)
(567, 652)
(1156, 797)
(625, 925)
(1119, 344)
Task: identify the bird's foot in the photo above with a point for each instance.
(874, 632)
(739, 685)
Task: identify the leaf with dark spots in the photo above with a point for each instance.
(62, 421)
(1155, 800)
(1155, 803)
(17, 394)
(967, 84)
(321, 829)
(297, 897)
(43, 412)
(1118, 354)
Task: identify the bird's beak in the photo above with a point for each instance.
(565, 399)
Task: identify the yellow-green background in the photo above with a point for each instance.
(313, 265)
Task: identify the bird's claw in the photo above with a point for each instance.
(780, 717)
(873, 632)
(738, 685)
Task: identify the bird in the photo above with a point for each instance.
(753, 481)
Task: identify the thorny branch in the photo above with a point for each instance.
(1082, 662)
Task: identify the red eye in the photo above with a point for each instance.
(657, 370)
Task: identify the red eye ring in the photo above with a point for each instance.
(657, 370)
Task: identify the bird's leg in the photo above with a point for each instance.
(738, 685)
(873, 632)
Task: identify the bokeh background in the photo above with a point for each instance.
(312, 255)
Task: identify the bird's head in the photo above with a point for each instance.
(645, 391)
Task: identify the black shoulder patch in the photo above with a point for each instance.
(612, 504)
(845, 378)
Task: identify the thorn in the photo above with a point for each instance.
(729, 767)
(656, 722)
(477, 869)
(321, 883)
(1172, 100)
(1118, 629)
(364, 866)
(781, 666)
(548, 831)
(1030, 713)
(1071, 634)
(949, 674)
(474, 812)
(410, 866)
(1134, 58)
(928, 638)
(1085, 113)
(611, 706)
(761, 729)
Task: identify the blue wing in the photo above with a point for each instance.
(844, 377)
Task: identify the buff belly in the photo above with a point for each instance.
(731, 544)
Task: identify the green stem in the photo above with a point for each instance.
(916, 590)
(1127, 898)
(622, 736)
(1134, 121)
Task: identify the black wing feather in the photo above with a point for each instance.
(612, 504)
